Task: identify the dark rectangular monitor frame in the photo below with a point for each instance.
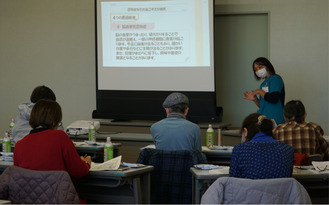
(147, 105)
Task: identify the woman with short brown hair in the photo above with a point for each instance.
(46, 114)
(47, 148)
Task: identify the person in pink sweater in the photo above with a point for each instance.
(47, 148)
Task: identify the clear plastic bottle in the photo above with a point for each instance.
(11, 126)
(92, 132)
(6, 144)
(220, 137)
(210, 136)
(108, 149)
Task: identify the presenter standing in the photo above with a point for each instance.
(271, 91)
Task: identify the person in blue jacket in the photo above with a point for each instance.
(175, 132)
(259, 156)
(271, 91)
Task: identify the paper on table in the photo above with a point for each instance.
(133, 165)
(112, 164)
(208, 166)
(322, 166)
(152, 146)
(94, 143)
(215, 147)
(225, 170)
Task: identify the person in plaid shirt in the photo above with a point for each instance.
(305, 137)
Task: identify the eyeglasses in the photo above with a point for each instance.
(60, 124)
(321, 168)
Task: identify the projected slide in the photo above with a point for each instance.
(155, 45)
(152, 33)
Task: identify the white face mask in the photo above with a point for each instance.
(262, 73)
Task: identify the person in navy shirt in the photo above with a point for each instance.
(271, 91)
(259, 156)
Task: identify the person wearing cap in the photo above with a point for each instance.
(175, 132)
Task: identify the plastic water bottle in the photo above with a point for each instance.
(210, 136)
(92, 132)
(220, 137)
(108, 149)
(11, 126)
(6, 144)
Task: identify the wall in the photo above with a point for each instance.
(298, 48)
(236, 46)
(52, 43)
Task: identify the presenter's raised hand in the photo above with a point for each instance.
(249, 95)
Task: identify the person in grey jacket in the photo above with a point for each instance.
(22, 126)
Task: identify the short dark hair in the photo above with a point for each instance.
(265, 62)
(46, 113)
(256, 123)
(42, 92)
(294, 110)
(178, 108)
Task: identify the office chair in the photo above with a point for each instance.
(26, 186)
(230, 190)
(171, 179)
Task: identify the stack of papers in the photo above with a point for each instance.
(112, 164)
(215, 147)
(95, 143)
(7, 156)
(133, 165)
(208, 166)
(322, 167)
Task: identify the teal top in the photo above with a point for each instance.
(273, 110)
(176, 133)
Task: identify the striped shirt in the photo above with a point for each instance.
(305, 138)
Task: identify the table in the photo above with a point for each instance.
(94, 151)
(130, 143)
(126, 186)
(312, 180)
(4, 165)
(138, 137)
(218, 157)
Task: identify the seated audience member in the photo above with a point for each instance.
(175, 132)
(22, 126)
(259, 156)
(304, 137)
(47, 148)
